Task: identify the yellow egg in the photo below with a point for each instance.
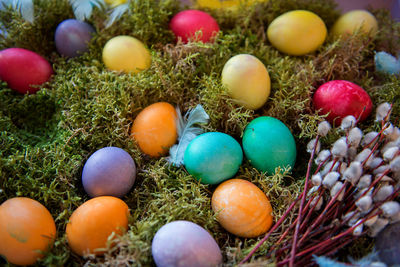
(225, 4)
(115, 2)
(297, 32)
(354, 20)
(127, 54)
(247, 80)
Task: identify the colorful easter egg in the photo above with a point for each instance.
(92, 223)
(232, 4)
(297, 32)
(242, 208)
(115, 3)
(341, 98)
(269, 144)
(24, 70)
(355, 20)
(72, 37)
(213, 157)
(127, 54)
(247, 80)
(387, 244)
(195, 25)
(109, 171)
(27, 230)
(155, 129)
(185, 244)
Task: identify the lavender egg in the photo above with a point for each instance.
(183, 243)
(72, 37)
(109, 171)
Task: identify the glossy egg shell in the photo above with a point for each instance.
(26, 229)
(94, 221)
(155, 129)
(22, 69)
(354, 20)
(297, 32)
(242, 208)
(187, 23)
(342, 98)
(115, 3)
(213, 157)
(232, 4)
(185, 244)
(247, 80)
(109, 171)
(127, 54)
(72, 37)
(268, 144)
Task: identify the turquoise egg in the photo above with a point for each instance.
(268, 144)
(213, 157)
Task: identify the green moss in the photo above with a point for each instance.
(46, 138)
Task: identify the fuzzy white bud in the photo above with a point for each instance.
(387, 146)
(329, 166)
(374, 163)
(364, 181)
(369, 139)
(379, 224)
(323, 128)
(388, 129)
(342, 168)
(350, 215)
(382, 111)
(339, 148)
(364, 192)
(395, 164)
(335, 189)
(390, 153)
(353, 172)
(322, 156)
(390, 208)
(351, 153)
(383, 193)
(364, 203)
(371, 221)
(358, 229)
(330, 179)
(312, 190)
(381, 169)
(318, 204)
(311, 145)
(316, 179)
(354, 137)
(394, 135)
(348, 122)
(363, 155)
(377, 264)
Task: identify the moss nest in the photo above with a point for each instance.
(46, 138)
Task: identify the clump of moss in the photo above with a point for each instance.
(46, 138)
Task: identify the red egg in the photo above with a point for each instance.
(342, 98)
(24, 70)
(186, 23)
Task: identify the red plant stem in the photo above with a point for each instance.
(320, 194)
(303, 199)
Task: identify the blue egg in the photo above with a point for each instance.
(213, 157)
(72, 37)
(109, 171)
(185, 244)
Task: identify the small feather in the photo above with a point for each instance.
(187, 132)
(386, 63)
(83, 8)
(23, 7)
(117, 13)
(323, 261)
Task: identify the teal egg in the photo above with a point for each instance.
(213, 157)
(268, 144)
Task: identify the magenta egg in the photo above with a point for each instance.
(185, 244)
(341, 98)
(24, 70)
(72, 37)
(187, 23)
(109, 171)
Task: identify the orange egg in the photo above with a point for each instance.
(94, 221)
(242, 208)
(155, 129)
(27, 230)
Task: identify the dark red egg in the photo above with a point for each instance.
(186, 23)
(341, 98)
(24, 70)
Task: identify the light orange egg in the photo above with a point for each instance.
(155, 129)
(94, 221)
(242, 208)
(27, 230)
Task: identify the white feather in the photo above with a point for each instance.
(24, 7)
(83, 8)
(116, 13)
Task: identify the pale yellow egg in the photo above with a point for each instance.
(115, 2)
(127, 54)
(225, 4)
(297, 32)
(247, 80)
(355, 20)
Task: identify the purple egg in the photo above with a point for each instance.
(183, 243)
(109, 171)
(72, 37)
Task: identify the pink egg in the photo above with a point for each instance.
(341, 98)
(186, 23)
(22, 69)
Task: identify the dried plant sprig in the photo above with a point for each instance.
(351, 193)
